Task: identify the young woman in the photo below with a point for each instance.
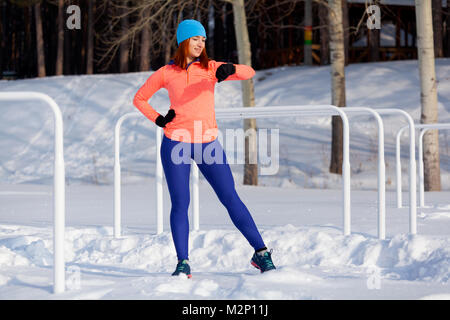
(190, 129)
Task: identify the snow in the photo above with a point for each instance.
(298, 210)
(314, 259)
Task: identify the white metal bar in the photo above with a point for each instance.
(425, 127)
(117, 174)
(381, 168)
(412, 167)
(275, 111)
(58, 183)
(398, 162)
(398, 166)
(159, 183)
(117, 177)
(421, 174)
(234, 113)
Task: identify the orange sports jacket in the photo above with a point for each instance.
(191, 94)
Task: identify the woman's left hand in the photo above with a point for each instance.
(224, 71)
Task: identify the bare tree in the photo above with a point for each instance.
(60, 45)
(2, 38)
(144, 64)
(90, 38)
(158, 14)
(308, 22)
(448, 28)
(373, 38)
(39, 41)
(124, 45)
(337, 57)
(324, 34)
(428, 94)
(165, 15)
(346, 26)
(167, 41)
(437, 28)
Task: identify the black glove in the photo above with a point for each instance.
(170, 115)
(162, 121)
(224, 71)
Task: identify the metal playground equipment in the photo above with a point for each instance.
(424, 128)
(58, 183)
(265, 112)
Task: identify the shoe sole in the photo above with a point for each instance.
(189, 276)
(256, 266)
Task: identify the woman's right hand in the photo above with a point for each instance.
(162, 121)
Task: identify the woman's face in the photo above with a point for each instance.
(196, 45)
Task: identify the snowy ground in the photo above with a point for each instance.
(303, 227)
(298, 210)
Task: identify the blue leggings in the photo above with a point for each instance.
(211, 160)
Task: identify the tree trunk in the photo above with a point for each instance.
(60, 48)
(448, 28)
(210, 29)
(308, 34)
(39, 41)
(2, 36)
(374, 44)
(428, 94)
(346, 27)
(230, 35)
(262, 41)
(90, 39)
(68, 51)
(168, 46)
(219, 31)
(124, 46)
(248, 95)
(324, 38)
(398, 39)
(437, 28)
(373, 39)
(27, 61)
(145, 47)
(337, 56)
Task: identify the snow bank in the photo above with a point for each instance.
(220, 256)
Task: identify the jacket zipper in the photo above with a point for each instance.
(187, 71)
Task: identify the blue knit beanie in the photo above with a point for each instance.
(189, 28)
